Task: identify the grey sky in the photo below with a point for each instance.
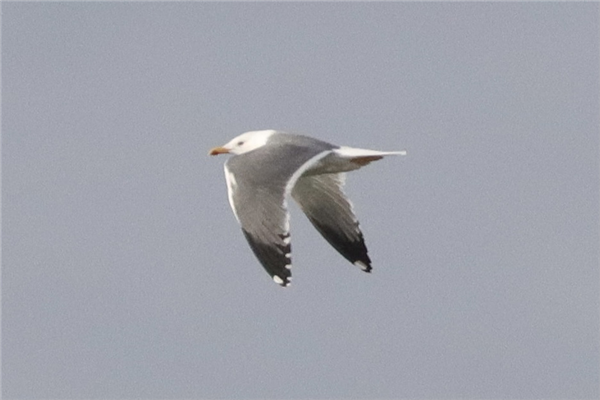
(125, 275)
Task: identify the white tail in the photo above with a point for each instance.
(352, 152)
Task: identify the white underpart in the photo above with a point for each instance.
(231, 186)
(346, 151)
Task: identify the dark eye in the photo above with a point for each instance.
(240, 143)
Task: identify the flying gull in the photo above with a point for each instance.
(270, 165)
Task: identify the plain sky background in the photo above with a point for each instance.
(125, 275)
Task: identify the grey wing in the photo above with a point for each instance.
(323, 201)
(263, 215)
(257, 194)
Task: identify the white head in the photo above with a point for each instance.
(244, 143)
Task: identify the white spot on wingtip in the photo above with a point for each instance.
(287, 240)
(361, 265)
(277, 279)
(288, 266)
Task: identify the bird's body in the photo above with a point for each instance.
(267, 167)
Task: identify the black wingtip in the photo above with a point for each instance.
(285, 282)
(365, 266)
(274, 257)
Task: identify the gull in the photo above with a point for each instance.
(267, 166)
